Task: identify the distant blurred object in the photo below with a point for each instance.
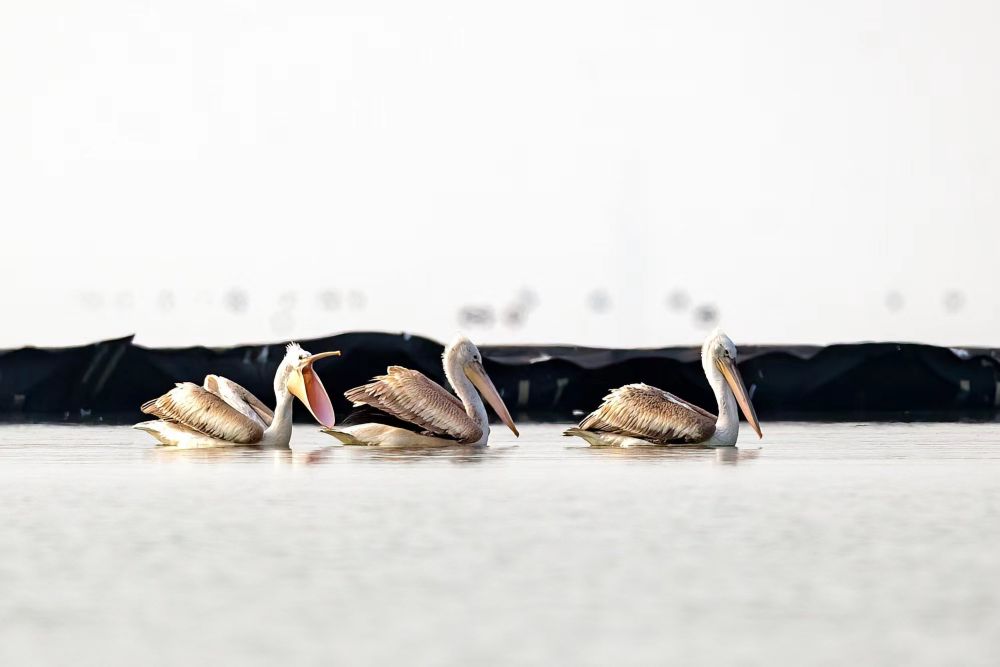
(894, 301)
(954, 301)
(165, 300)
(236, 300)
(329, 299)
(706, 315)
(287, 300)
(516, 314)
(357, 300)
(476, 316)
(678, 300)
(92, 300)
(527, 298)
(599, 301)
(124, 301)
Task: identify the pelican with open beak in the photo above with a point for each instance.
(638, 414)
(405, 408)
(221, 413)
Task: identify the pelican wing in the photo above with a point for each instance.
(206, 412)
(415, 398)
(648, 413)
(239, 399)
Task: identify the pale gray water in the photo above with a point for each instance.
(834, 544)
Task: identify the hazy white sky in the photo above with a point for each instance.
(218, 172)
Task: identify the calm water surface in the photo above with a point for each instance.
(871, 544)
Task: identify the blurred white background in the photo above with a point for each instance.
(617, 173)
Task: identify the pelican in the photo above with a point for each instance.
(221, 413)
(409, 409)
(638, 414)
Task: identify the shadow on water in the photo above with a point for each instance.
(721, 455)
(734, 455)
(248, 454)
(457, 454)
(462, 455)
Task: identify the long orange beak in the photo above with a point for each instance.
(306, 386)
(475, 372)
(735, 381)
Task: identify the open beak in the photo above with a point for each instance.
(475, 372)
(305, 385)
(732, 375)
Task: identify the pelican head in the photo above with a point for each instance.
(296, 375)
(718, 355)
(463, 353)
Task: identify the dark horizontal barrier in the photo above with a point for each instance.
(107, 381)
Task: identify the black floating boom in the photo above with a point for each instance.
(110, 379)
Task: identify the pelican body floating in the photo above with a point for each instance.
(222, 413)
(638, 414)
(405, 408)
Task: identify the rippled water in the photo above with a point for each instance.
(873, 544)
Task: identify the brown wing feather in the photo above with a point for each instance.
(413, 397)
(232, 393)
(200, 409)
(645, 412)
